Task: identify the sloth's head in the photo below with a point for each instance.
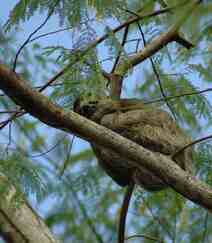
(86, 109)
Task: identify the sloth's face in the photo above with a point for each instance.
(85, 109)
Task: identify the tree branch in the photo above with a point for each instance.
(162, 166)
(124, 210)
(31, 34)
(157, 75)
(19, 223)
(190, 145)
(156, 44)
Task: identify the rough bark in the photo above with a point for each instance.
(19, 223)
(162, 166)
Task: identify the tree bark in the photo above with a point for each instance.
(18, 221)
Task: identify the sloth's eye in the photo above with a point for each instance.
(95, 102)
(87, 110)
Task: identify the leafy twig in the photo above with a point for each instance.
(30, 36)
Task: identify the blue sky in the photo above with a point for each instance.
(28, 26)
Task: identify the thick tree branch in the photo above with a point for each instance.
(162, 166)
(19, 223)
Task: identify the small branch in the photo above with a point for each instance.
(156, 218)
(148, 237)
(126, 31)
(156, 74)
(129, 22)
(182, 41)
(156, 44)
(56, 31)
(86, 217)
(179, 96)
(118, 28)
(123, 215)
(174, 156)
(49, 150)
(117, 81)
(15, 115)
(9, 112)
(40, 86)
(34, 32)
(68, 159)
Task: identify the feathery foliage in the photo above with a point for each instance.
(82, 205)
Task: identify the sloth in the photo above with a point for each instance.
(146, 125)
